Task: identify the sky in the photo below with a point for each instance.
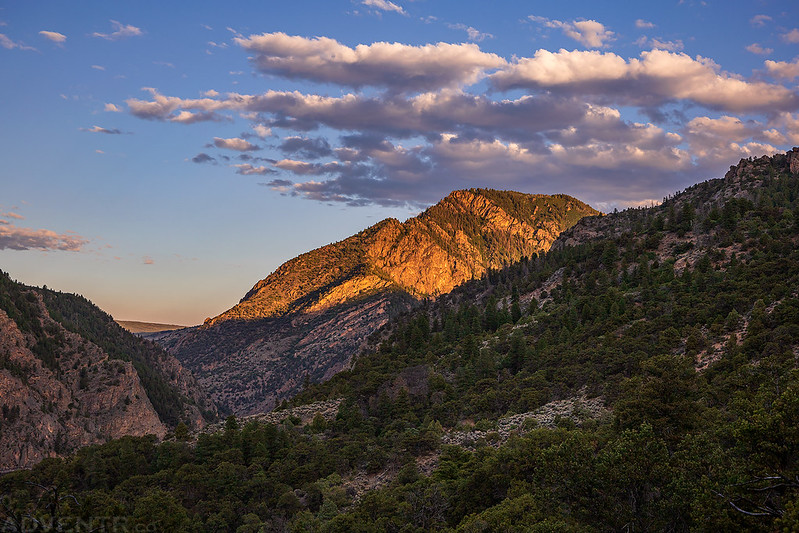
(160, 160)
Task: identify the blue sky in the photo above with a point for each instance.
(160, 160)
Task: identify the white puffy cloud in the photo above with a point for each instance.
(783, 69)
(791, 36)
(643, 24)
(384, 5)
(789, 124)
(657, 77)
(53, 36)
(262, 131)
(723, 139)
(755, 48)
(111, 108)
(121, 31)
(587, 32)
(235, 143)
(399, 67)
(16, 238)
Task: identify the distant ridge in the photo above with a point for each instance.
(135, 326)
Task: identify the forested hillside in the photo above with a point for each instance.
(70, 376)
(672, 332)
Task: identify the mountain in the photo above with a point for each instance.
(71, 377)
(146, 327)
(305, 320)
(641, 375)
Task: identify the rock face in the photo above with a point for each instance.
(309, 317)
(60, 391)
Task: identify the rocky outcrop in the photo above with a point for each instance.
(87, 399)
(305, 414)
(71, 377)
(308, 318)
(574, 410)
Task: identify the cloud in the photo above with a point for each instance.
(427, 113)
(473, 34)
(111, 108)
(247, 169)
(99, 129)
(657, 44)
(235, 143)
(305, 147)
(791, 36)
(562, 129)
(262, 131)
(719, 140)
(16, 238)
(783, 69)
(203, 158)
(98, 67)
(9, 44)
(13, 215)
(147, 260)
(54, 36)
(280, 184)
(384, 5)
(121, 31)
(643, 24)
(755, 48)
(399, 67)
(587, 32)
(419, 175)
(304, 168)
(760, 20)
(187, 117)
(657, 77)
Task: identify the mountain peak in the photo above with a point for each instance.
(457, 239)
(312, 314)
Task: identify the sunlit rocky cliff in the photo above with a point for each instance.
(309, 317)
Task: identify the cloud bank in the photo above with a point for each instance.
(412, 122)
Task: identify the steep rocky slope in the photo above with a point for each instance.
(308, 318)
(71, 377)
